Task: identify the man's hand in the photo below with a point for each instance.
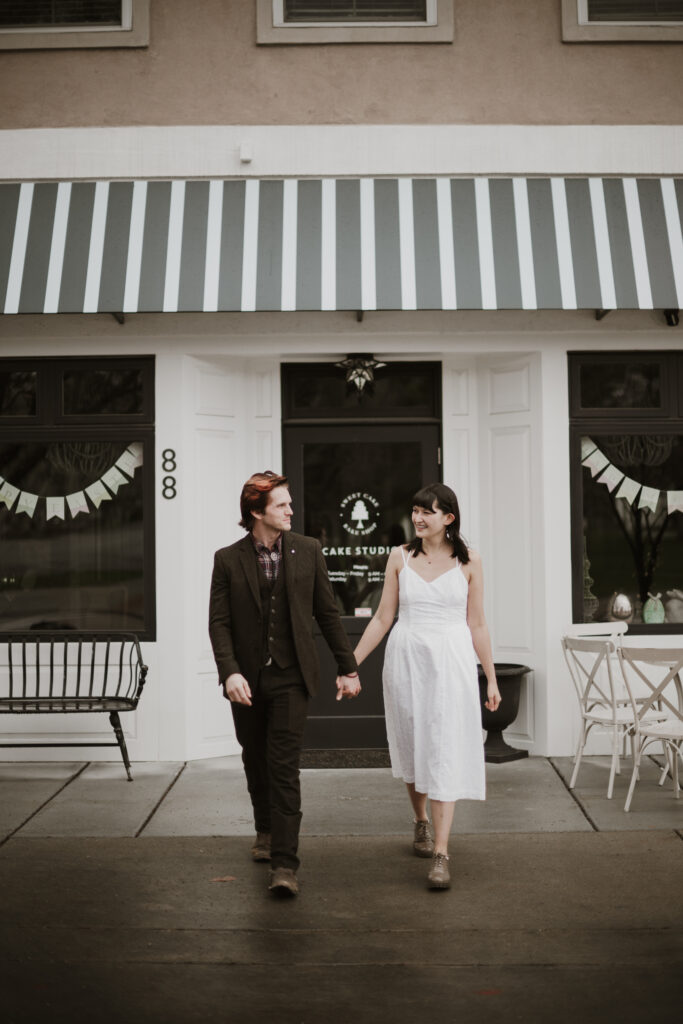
(237, 690)
(348, 686)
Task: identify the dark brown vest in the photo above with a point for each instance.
(277, 640)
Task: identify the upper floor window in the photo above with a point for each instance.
(67, 24)
(591, 21)
(349, 11)
(354, 21)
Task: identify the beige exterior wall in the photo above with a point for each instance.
(507, 65)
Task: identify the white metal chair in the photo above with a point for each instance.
(603, 702)
(660, 670)
(613, 631)
(596, 630)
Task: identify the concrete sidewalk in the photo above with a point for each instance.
(138, 902)
(209, 798)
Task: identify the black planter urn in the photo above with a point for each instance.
(509, 677)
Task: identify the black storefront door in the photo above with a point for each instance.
(352, 486)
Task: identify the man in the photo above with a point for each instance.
(265, 592)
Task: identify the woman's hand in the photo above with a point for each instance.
(493, 697)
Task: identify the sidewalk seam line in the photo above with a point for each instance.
(160, 800)
(56, 793)
(573, 795)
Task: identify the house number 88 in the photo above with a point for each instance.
(168, 465)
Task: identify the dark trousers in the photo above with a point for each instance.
(271, 733)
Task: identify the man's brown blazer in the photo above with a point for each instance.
(235, 617)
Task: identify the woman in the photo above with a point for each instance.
(431, 689)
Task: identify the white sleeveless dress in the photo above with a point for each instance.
(431, 689)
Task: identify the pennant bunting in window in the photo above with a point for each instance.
(55, 508)
(129, 461)
(27, 503)
(114, 479)
(587, 446)
(8, 494)
(98, 493)
(136, 450)
(77, 503)
(629, 490)
(611, 477)
(596, 461)
(675, 501)
(649, 498)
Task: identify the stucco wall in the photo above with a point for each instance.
(506, 66)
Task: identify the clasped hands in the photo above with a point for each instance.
(347, 686)
(237, 689)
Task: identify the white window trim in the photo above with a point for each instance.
(576, 28)
(271, 27)
(133, 31)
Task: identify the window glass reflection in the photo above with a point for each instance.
(102, 392)
(357, 501)
(354, 10)
(71, 539)
(633, 543)
(321, 390)
(621, 385)
(17, 393)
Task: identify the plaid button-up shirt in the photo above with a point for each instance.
(269, 558)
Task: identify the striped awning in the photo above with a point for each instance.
(363, 244)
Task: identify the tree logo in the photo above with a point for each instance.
(359, 513)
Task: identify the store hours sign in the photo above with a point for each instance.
(356, 561)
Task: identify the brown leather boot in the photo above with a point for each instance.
(260, 851)
(283, 882)
(439, 875)
(423, 840)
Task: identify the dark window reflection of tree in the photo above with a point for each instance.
(100, 392)
(17, 394)
(654, 539)
(621, 385)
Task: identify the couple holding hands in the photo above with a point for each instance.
(267, 589)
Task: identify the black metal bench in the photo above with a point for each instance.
(47, 673)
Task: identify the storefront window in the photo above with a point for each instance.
(319, 390)
(76, 505)
(17, 393)
(93, 392)
(626, 385)
(628, 495)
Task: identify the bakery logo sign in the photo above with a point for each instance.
(359, 513)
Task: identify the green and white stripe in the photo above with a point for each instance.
(348, 243)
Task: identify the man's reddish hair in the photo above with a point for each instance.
(254, 496)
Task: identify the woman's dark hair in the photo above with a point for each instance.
(445, 500)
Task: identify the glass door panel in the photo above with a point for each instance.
(352, 488)
(355, 485)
